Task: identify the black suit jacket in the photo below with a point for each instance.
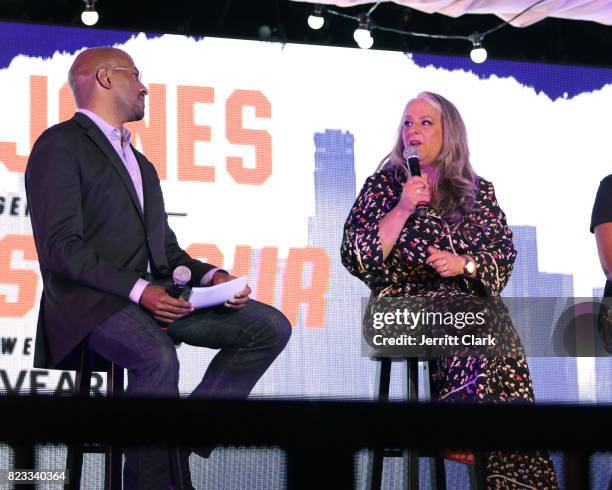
(92, 238)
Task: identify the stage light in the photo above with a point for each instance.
(478, 53)
(362, 35)
(89, 17)
(316, 19)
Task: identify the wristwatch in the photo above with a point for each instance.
(469, 266)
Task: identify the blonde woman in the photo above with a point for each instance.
(459, 248)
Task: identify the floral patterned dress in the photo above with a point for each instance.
(484, 235)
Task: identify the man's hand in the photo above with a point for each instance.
(240, 299)
(164, 307)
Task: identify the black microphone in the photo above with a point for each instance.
(181, 276)
(411, 154)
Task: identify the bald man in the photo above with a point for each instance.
(106, 253)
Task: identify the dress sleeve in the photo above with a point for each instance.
(495, 257)
(361, 250)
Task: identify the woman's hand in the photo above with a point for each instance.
(446, 264)
(416, 189)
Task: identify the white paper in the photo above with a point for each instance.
(216, 295)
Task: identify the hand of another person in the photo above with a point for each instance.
(446, 264)
(240, 299)
(164, 307)
(416, 189)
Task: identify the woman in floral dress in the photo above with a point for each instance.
(459, 249)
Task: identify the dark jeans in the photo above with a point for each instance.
(249, 340)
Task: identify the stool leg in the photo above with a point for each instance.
(576, 470)
(383, 379)
(375, 469)
(115, 379)
(113, 463)
(437, 473)
(412, 379)
(74, 460)
(24, 459)
(437, 470)
(476, 472)
(113, 456)
(411, 469)
(375, 456)
(411, 457)
(427, 380)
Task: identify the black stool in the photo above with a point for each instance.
(411, 457)
(113, 455)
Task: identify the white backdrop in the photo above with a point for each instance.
(545, 156)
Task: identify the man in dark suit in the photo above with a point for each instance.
(105, 247)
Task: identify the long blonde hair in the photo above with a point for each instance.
(454, 188)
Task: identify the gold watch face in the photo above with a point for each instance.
(470, 267)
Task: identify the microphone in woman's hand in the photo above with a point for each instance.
(411, 155)
(181, 276)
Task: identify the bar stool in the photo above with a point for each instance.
(113, 455)
(411, 456)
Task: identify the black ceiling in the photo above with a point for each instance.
(551, 40)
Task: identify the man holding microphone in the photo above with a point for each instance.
(103, 242)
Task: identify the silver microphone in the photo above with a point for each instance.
(181, 276)
(411, 155)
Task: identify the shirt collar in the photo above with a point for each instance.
(112, 133)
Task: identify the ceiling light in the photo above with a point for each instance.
(362, 35)
(478, 53)
(316, 19)
(89, 17)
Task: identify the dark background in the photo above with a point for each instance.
(551, 40)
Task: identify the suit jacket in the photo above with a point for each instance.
(92, 237)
